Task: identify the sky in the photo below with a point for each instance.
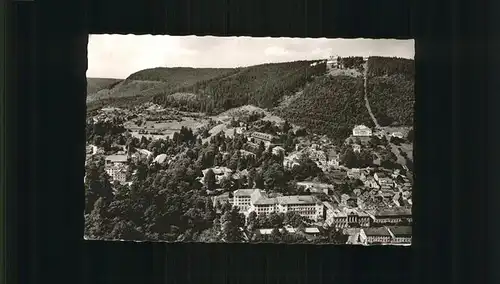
(118, 56)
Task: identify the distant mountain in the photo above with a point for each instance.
(94, 85)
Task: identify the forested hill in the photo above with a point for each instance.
(329, 104)
(261, 85)
(335, 104)
(391, 90)
(95, 85)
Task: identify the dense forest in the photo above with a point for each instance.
(168, 202)
(327, 105)
(392, 100)
(180, 76)
(353, 62)
(261, 85)
(386, 66)
(391, 90)
(330, 105)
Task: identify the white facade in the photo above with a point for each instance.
(356, 148)
(249, 200)
(361, 131)
(397, 135)
(117, 173)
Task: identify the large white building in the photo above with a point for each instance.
(266, 138)
(116, 167)
(361, 131)
(248, 200)
(117, 172)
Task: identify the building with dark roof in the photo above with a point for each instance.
(401, 234)
(267, 139)
(394, 215)
(377, 235)
(116, 159)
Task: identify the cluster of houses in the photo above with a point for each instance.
(393, 235)
(387, 225)
(342, 217)
(365, 131)
(320, 157)
(117, 165)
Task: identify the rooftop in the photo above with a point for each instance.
(160, 158)
(298, 199)
(314, 184)
(117, 158)
(244, 192)
(311, 230)
(377, 231)
(265, 201)
(395, 211)
(328, 205)
(400, 231)
(361, 127)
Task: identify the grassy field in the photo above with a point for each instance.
(155, 129)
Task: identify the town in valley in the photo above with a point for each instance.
(313, 151)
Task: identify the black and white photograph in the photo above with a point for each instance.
(249, 140)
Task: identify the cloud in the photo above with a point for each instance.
(118, 56)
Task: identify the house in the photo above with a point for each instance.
(354, 173)
(356, 236)
(394, 215)
(332, 62)
(383, 179)
(116, 159)
(333, 160)
(377, 235)
(397, 135)
(160, 159)
(241, 199)
(251, 147)
(356, 148)
(317, 155)
(89, 150)
(316, 186)
(401, 234)
(246, 153)
(370, 182)
(141, 154)
(291, 161)
(396, 174)
(268, 231)
(278, 150)
(220, 172)
(267, 139)
(361, 131)
(311, 231)
(116, 166)
(379, 134)
(117, 172)
(342, 217)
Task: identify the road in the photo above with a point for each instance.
(367, 103)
